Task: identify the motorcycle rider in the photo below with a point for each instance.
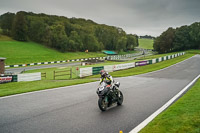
(107, 78)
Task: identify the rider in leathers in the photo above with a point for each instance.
(106, 77)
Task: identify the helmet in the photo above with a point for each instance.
(103, 73)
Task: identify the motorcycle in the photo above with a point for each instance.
(109, 96)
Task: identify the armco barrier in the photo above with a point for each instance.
(110, 68)
(164, 58)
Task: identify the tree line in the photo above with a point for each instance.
(181, 38)
(66, 34)
(147, 37)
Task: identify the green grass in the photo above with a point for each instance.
(29, 52)
(182, 117)
(146, 43)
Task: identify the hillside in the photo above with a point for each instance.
(29, 52)
(65, 34)
(145, 43)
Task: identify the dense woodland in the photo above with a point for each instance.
(182, 38)
(66, 34)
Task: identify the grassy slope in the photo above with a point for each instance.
(21, 87)
(181, 117)
(146, 43)
(30, 52)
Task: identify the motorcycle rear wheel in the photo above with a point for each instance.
(102, 104)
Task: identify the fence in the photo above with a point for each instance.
(44, 75)
(63, 73)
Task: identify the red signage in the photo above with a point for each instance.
(5, 79)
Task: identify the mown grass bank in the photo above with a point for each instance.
(22, 87)
(181, 117)
(145, 43)
(29, 52)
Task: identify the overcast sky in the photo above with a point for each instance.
(141, 17)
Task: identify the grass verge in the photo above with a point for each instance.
(181, 117)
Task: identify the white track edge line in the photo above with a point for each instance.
(152, 116)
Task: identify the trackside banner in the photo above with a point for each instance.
(142, 63)
(123, 66)
(5, 79)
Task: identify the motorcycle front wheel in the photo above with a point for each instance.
(102, 104)
(120, 98)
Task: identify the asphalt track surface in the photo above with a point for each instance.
(74, 109)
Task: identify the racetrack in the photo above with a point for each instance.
(74, 109)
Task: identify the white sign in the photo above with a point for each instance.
(85, 71)
(123, 66)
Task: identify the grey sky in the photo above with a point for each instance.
(140, 17)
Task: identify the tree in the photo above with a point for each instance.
(182, 39)
(6, 21)
(91, 43)
(164, 43)
(121, 44)
(75, 41)
(195, 35)
(131, 42)
(37, 30)
(59, 39)
(19, 29)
